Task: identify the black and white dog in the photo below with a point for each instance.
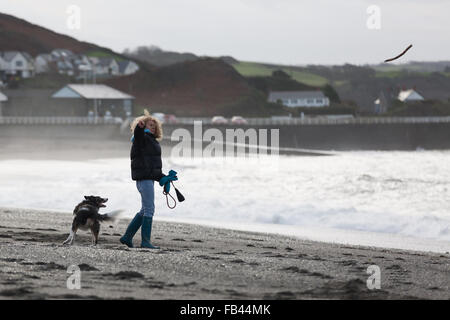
(87, 217)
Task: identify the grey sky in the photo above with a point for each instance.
(279, 31)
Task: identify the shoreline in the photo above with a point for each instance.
(200, 262)
(366, 239)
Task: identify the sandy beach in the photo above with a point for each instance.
(197, 262)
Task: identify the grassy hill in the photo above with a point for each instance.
(361, 85)
(254, 69)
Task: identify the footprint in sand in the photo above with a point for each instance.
(207, 257)
(240, 261)
(86, 267)
(125, 275)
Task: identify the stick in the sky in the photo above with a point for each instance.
(395, 58)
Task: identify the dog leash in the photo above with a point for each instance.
(179, 196)
(167, 198)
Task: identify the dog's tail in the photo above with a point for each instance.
(110, 216)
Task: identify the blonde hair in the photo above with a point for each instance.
(147, 117)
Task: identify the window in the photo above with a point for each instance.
(310, 101)
(319, 101)
(19, 63)
(294, 101)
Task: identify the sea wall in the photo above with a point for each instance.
(393, 136)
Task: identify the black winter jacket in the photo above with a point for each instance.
(145, 156)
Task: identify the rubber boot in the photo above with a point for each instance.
(146, 233)
(133, 227)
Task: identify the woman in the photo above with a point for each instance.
(146, 168)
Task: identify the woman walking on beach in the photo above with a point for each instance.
(146, 168)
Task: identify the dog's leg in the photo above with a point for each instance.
(69, 238)
(95, 231)
(93, 241)
(73, 237)
(92, 237)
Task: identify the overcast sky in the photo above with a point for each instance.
(279, 31)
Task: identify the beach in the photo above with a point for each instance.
(198, 262)
(195, 262)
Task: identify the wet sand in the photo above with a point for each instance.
(197, 262)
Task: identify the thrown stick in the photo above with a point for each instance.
(395, 58)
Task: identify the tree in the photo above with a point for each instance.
(280, 74)
(329, 91)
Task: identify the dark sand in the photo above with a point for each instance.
(197, 262)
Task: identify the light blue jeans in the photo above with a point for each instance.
(147, 190)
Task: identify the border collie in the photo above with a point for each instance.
(87, 217)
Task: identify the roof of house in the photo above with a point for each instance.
(62, 53)
(9, 55)
(409, 95)
(123, 65)
(90, 91)
(105, 61)
(64, 64)
(46, 56)
(280, 95)
(3, 97)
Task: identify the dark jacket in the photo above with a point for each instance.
(145, 156)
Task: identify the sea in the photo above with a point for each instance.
(390, 199)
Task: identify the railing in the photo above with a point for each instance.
(60, 120)
(250, 121)
(326, 121)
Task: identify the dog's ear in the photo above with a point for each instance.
(87, 197)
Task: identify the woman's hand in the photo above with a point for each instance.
(141, 124)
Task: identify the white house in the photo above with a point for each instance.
(3, 99)
(409, 96)
(127, 67)
(65, 66)
(17, 63)
(3, 63)
(42, 62)
(107, 66)
(299, 98)
(98, 98)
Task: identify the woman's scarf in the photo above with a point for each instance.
(145, 130)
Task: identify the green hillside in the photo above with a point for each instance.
(253, 69)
